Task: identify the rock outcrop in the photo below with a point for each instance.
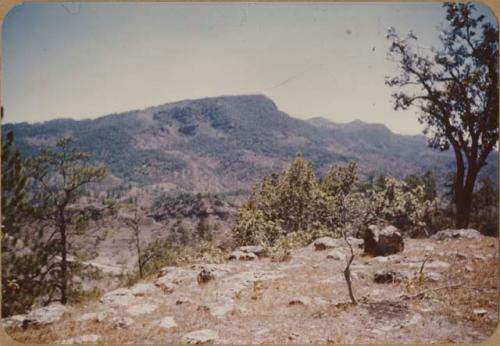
(201, 336)
(255, 249)
(382, 242)
(242, 256)
(82, 339)
(46, 315)
(325, 243)
(457, 234)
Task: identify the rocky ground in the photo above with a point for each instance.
(254, 299)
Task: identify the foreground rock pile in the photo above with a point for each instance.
(261, 301)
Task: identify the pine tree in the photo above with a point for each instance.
(24, 254)
(59, 174)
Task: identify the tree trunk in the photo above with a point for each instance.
(64, 251)
(64, 266)
(463, 198)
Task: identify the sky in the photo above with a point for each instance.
(312, 59)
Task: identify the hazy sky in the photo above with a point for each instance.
(325, 59)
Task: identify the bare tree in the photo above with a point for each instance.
(145, 253)
(455, 88)
(347, 270)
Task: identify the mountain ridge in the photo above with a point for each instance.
(219, 144)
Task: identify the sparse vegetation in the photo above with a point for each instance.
(298, 208)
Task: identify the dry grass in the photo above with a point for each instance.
(264, 315)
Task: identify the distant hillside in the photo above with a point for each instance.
(227, 143)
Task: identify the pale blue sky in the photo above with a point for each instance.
(325, 59)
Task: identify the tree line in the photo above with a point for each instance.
(295, 207)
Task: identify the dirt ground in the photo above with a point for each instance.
(305, 300)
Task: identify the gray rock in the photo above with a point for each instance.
(319, 301)
(480, 312)
(457, 234)
(121, 296)
(221, 309)
(165, 284)
(46, 315)
(177, 275)
(432, 276)
(325, 243)
(242, 256)
(335, 254)
(255, 249)
(300, 301)
(13, 321)
(167, 322)
(383, 242)
(182, 300)
(355, 242)
(390, 276)
(430, 264)
(141, 309)
(455, 254)
(201, 336)
(122, 322)
(144, 289)
(87, 317)
(82, 339)
(415, 319)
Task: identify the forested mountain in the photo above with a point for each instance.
(227, 143)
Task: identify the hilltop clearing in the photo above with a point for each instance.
(301, 300)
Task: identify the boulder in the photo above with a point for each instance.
(176, 275)
(167, 323)
(165, 285)
(221, 309)
(456, 254)
(13, 321)
(121, 296)
(432, 276)
(82, 339)
(325, 243)
(96, 316)
(336, 255)
(201, 336)
(182, 300)
(300, 301)
(457, 234)
(390, 276)
(383, 242)
(204, 276)
(242, 256)
(141, 309)
(480, 312)
(46, 315)
(144, 289)
(122, 322)
(355, 242)
(255, 249)
(429, 264)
